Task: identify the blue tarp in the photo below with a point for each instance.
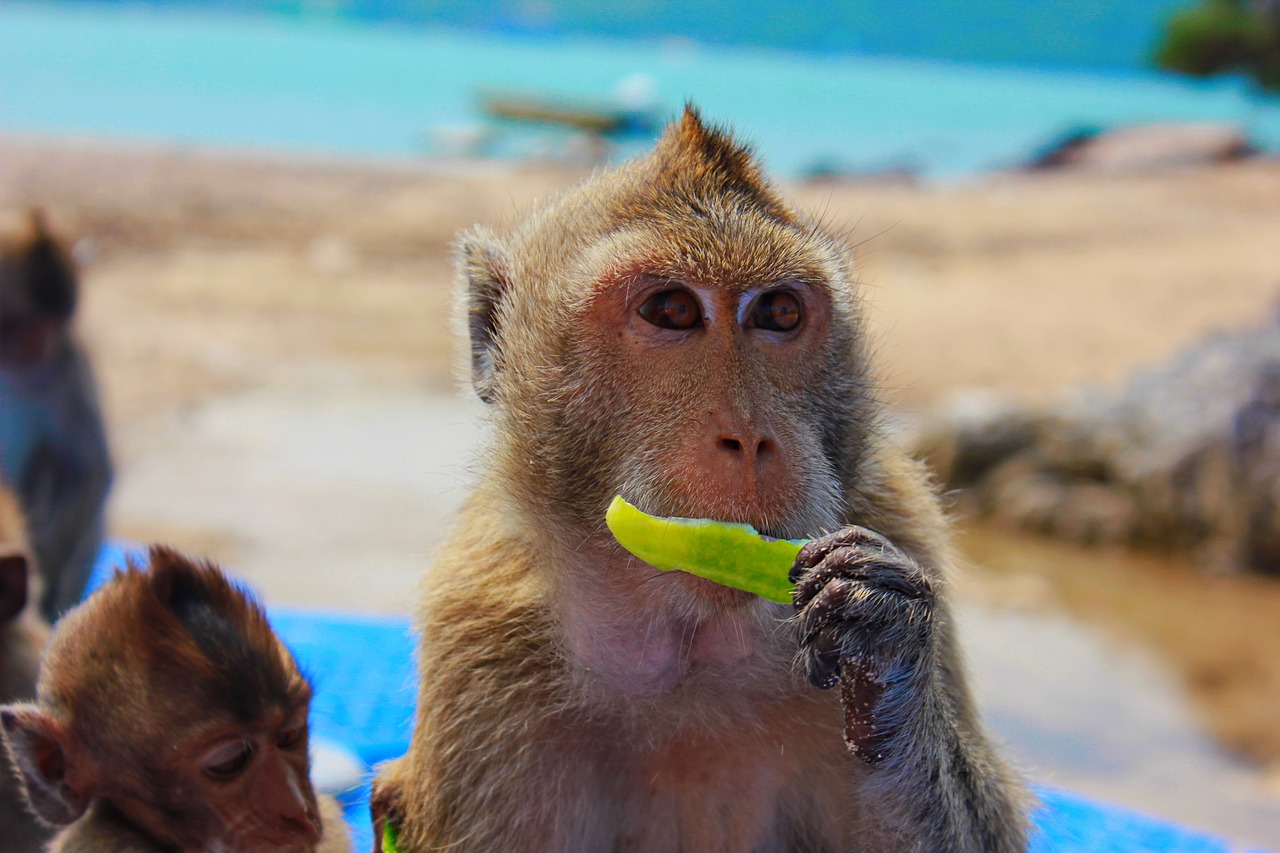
(363, 672)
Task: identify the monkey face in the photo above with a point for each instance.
(27, 341)
(16, 317)
(225, 786)
(257, 786)
(676, 334)
(717, 421)
(38, 287)
(166, 698)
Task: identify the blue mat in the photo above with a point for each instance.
(363, 672)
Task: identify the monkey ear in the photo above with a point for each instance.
(13, 583)
(38, 747)
(482, 271)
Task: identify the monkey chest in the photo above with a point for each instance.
(716, 796)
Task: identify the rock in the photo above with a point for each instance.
(1184, 455)
(1146, 148)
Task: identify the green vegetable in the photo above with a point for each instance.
(730, 554)
(389, 837)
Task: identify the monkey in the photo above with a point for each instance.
(53, 447)
(23, 634)
(674, 332)
(169, 717)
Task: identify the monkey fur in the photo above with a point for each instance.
(169, 717)
(672, 331)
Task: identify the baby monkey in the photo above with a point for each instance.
(169, 717)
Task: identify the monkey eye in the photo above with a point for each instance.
(291, 738)
(227, 762)
(775, 311)
(672, 309)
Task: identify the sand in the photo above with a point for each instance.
(229, 262)
(273, 341)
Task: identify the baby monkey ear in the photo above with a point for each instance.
(482, 277)
(13, 582)
(38, 747)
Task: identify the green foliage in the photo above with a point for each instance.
(1222, 36)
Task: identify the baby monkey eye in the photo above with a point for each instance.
(226, 767)
(291, 738)
(776, 311)
(672, 309)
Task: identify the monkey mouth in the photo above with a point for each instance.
(773, 525)
(718, 596)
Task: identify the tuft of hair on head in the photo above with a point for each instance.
(209, 627)
(694, 156)
(48, 270)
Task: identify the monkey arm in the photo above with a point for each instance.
(476, 774)
(934, 781)
(873, 616)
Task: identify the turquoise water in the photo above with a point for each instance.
(1098, 33)
(338, 85)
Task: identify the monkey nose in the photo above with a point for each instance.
(749, 449)
(303, 825)
(746, 450)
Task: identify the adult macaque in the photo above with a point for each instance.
(169, 717)
(675, 333)
(22, 637)
(53, 451)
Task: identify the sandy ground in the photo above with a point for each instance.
(273, 342)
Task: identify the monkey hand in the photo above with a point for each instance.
(865, 614)
(386, 804)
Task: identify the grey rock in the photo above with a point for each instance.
(1145, 148)
(1186, 455)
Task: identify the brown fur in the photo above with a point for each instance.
(575, 699)
(158, 676)
(22, 640)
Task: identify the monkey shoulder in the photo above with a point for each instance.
(486, 653)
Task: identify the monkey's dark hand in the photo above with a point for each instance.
(865, 615)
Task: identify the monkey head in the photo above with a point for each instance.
(167, 698)
(38, 290)
(672, 332)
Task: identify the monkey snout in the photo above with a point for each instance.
(302, 827)
(749, 449)
(745, 448)
(744, 460)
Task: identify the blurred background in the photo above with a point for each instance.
(1066, 216)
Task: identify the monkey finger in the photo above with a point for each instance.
(843, 563)
(822, 659)
(898, 575)
(816, 550)
(830, 607)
